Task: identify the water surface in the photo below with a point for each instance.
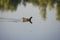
(48, 29)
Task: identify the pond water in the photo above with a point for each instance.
(48, 29)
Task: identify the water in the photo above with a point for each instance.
(39, 30)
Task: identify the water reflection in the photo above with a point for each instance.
(9, 4)
(43, 11)
(6, 5)
(39, 30)
(58, 11)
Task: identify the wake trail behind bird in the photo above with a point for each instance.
(9, 20)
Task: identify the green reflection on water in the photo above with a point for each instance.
(9, 4)
(12, 5)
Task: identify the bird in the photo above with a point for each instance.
(27, 19)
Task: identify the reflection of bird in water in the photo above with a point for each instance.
(15, 20)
